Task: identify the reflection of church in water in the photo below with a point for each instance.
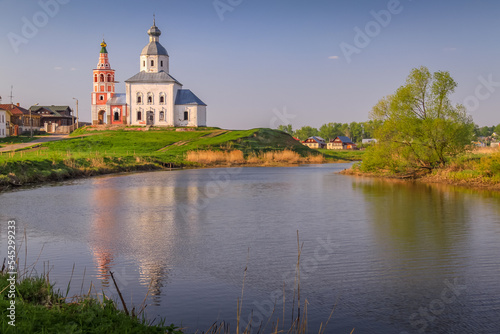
(153, 96)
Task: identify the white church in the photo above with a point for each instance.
(152, 98)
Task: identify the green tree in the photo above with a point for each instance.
(497, 130)
(286, 128)
(330, 131)
(356, 132)
(305, 132)
(421, 128)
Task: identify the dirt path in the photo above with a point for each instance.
(42, 139)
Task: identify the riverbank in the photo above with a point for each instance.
(38, 308)
(98, 151)
(476, 169)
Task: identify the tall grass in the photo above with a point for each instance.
(236, 157)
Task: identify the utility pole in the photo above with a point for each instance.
(11, 96)
(76, 112)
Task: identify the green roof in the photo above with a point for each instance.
(103, 50)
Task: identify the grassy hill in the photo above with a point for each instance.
(90, 152)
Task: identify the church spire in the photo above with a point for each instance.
(103, 47)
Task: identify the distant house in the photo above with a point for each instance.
(4, 123)
(314, 142)
(52, 117)
(341, 143)
(495, 144)
(368, 141)
(20, 119)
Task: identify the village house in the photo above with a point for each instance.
(341, 143)
(314, 142)
(20, 119)
(52, 117)
(4, 123)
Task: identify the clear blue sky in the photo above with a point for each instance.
(266, 62)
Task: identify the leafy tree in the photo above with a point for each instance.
(305, 132)
(421, 128)
(356, 132)
(330, 130)
(497, 130)
(286, 128)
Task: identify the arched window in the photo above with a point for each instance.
(101, 97)
(150, 98)
(95, 78)
(139, 116)
(143, 63)
(117, 116)
(186, 115)
(162, 115)
(109, 78)
(109, 88)
(152, 63)
(139, 98)
(162, 99)
(102, 78)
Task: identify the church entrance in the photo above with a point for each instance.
(100, 117)
(150, 120)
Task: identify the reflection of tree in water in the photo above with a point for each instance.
(410, 218)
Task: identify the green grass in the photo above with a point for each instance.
(40, 309)
(16, 140)
(347, 155)
(90, 153)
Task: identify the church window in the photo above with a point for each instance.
(101, 78)
(186, 115)
(109, 78)
(139, 116)
(162, 98)
(117, 116)
(162, 115)
(95, 78)
(150, 98)
(139, 98)
(161, 63)
(143, 63)
(109, 88)
(102, 89)
(101, 97)
(152, 63)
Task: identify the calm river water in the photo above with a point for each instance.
(393, 257)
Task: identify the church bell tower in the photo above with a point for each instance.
(104, 88)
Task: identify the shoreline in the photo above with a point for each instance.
(77, 174)
(475, 184)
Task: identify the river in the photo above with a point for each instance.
(389, 257)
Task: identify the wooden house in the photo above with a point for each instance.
(314, 142)
(341, 143)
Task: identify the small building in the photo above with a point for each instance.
(315, 142)
(20, 119)
(52, 116)
(341, 143)
(368, 141)
(495, 144)
(5, 123)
